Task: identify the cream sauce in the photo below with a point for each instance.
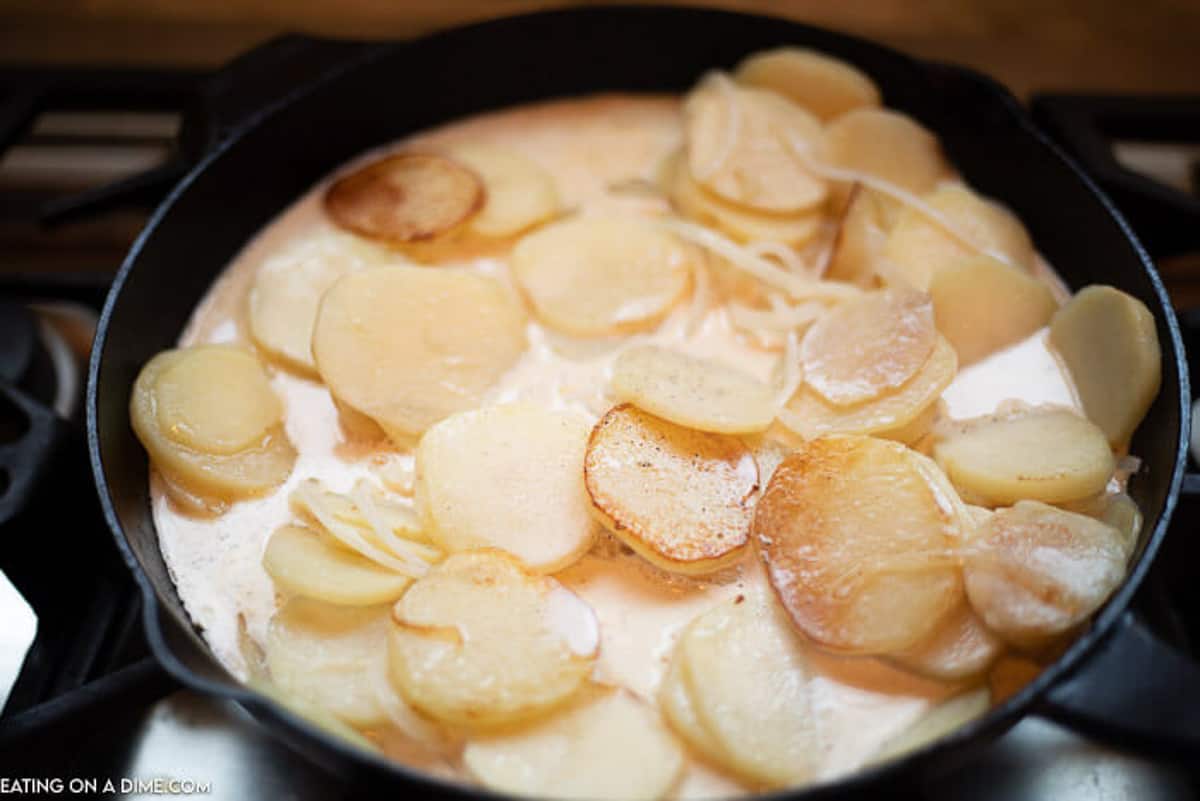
(587, 145)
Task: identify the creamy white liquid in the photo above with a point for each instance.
(587, 145)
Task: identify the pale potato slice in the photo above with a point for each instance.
(740, 223)
(961, 648)
(858, 546)
(1109, 343)
(826, 86)
(809, 415)
(311, 713)
(1033, 572)
(1123, 514)
(920, 248)
(868, 346)
(675, 701)
(405, 198)
(982, 305)
(301, 562)
(693, 392)
(861, 236)
(1041, 453)
(915, 433)
(682, 499)
(216, 399)
(595, 276)
(324, 654)
(748, 682)
(605, 744)
(740, 146)
(207, 482)
(518, 193)
(408, 346)
(888, 145)
(935, 724)
(509, 477)
(482, 641)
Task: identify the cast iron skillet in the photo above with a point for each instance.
(372, 94)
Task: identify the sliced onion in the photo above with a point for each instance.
(790, 374)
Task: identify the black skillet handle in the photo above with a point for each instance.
(25, 460)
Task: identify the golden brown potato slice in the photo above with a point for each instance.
(826, 86)
(920, 248)
(518, 193)
(748, 681)
(408, 346)
(680, 498)
(482, 641)
(596, 276)
(982, 305)
(888, 145)
(739, 147)
(693, 392)
(605, 744)
(405, 198)
(1109, 343)
(302, 562)
(861, 236)
(1033, 571)
(1042, 453)
(961, 648)
(508, 477)
(809, 415)
(935, 724)
(857, 545)
(868, 346)
(203, 481)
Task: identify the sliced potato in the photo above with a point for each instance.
(857, 545)
(809, 416)
(935, 724)
(408, 346)
(405, 198)
(1033, 571)
(325, 654)
(605, 744)
(981, 306)
(303, 563)
(747, 678)
(868, 346)
(861, 236)
(594, 276)
(1109, 343)
(518, 193)
(961, 648)
(508, 477)
(826, 86)
(1043, 453)
(1010, 674)
(919, 248)
(740, 223)
(1123, 514)
(675, 700)
(682, 499)
(204, 483)
(888, 145)
(739, 147)
(693, 392)
(482, 641)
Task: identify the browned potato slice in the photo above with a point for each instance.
(518, 193)
(693, 392)
(868, 345)
(861, 236)
(888, 145)
(857, 546)
(482, 641)
(808, 415)
(740, 223)
(200, 481)
(596, 276)
(405, 198)
(920, 248)
(302, 562)
(408, 346)
(1043, 453)
(1109, 343)
(961, 648)
(826, 86)
(1033, 571)
(739, 147)
(681, 498)
(981, 306)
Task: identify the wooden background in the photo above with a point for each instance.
(1143, 46)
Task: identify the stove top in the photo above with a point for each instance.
(85, 154)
